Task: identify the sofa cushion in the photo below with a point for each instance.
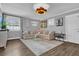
(46, 32)
(43, 34)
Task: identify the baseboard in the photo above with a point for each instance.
(76, 42)
(14, 38)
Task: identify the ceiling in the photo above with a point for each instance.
(26, 9)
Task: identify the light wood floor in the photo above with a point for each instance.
(17, 48)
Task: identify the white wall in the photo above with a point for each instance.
(57, 29)
(14, 35)
(61, 28)
(27, 26)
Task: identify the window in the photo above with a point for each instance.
(0, 22)
(34, 23)
(51, 22)
(13, 23)
(43, 24)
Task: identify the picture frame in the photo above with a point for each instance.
(59, 22)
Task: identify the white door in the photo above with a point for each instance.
(72, 28)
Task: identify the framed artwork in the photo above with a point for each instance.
(59, 22)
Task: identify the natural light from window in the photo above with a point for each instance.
(34, 23)
(13, 23)
(0, 22)
(51, 22)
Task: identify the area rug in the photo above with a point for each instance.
(39, 47)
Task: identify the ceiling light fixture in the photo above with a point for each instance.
(41, 8)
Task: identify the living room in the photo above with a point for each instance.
(39, 29)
